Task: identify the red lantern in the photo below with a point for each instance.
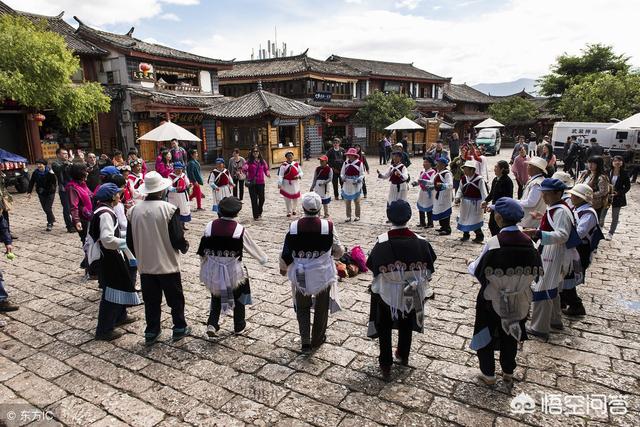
(39, 117)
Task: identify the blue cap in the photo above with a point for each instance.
(107, 191)
(399, 212)
(109, 170)
(219, 160)
(552, 184)
(508, 209)
(443, 159)
(178, 165)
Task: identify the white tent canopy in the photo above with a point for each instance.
(404, 124)
(632, 122)
(489, 123)
(168, 131)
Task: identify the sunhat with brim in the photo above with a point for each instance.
(538, 162)
(352, 152)
(470, 164)
(583, 191)
(564, 177)
(153, 183)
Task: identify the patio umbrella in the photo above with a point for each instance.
(632, 122)
(489, 123)
(404, 124)
(168, 131)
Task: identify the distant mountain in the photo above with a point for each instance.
(507, 88)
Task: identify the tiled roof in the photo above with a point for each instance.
(461, 117)
(259, 103)
(287, 66)
(386, 69)
(58, 25)
(130, 43)
(178, 100)
(337, 103)
(433, 103)
(465, 93)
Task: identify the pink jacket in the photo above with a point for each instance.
(519, 169)
(256, 171)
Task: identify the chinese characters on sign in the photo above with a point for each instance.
(584, 131)
(144, 72)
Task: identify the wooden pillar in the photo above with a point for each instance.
(32, 133)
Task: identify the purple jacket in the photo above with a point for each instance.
(256, 171)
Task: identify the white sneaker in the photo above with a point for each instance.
(211, 331)
(356, 219)
(347, 220)
(608, 236)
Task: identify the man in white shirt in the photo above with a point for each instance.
(531, 201)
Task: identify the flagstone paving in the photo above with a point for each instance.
(49, 360)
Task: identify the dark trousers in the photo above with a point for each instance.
(364, 187)
(508, 347)
(520, 190)
(320, 317)
(456, 184)
(429, 218)
(569, 297)
(494, 228)
(335, 181)
(239, 322)
(3, 292)
(46, 201)
(445, 224)
(66, 208)
(153, 286)
(239, 188)
(109, 315)
(384, 326)
(387, 153)
(382, 158)
(479, 233)
(256, 194)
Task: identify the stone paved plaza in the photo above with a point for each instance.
(49, 360)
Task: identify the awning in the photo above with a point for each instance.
(168, 131)
(489, 123)
(632, 122)
(404, 124)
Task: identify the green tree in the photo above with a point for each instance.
(380, 109)
(570, 70)
(36, 68)
(600, 98)
(513, 110)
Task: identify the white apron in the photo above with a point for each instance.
(427, 192)
(181, 200)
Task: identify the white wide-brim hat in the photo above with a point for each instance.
(470, 164)
(564, 177)
(153, 183)
(538, 162)
(583, 191)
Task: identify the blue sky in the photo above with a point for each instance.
(471, 41)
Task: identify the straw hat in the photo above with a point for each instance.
(153, 183)
(538, 162)
(470, 164)
(564, 177)
(583, 191)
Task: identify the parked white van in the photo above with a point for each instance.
(614, 141)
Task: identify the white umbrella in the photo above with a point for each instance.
(168, 131)
(632, 122)
(489, 123)
(404, 124)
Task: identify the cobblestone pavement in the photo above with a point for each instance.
(49, 360)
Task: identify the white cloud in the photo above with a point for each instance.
(521, 39)
(353, 1)
(102, 12)
(409, 4)
(182, 2)
(169, 17)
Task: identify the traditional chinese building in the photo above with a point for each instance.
(338, 86)
(272, 122)
(33, 133)
(149, 83)
(471, 107)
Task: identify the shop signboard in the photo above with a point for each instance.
(322, 96)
